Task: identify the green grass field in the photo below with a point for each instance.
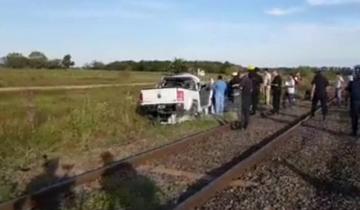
(72, 125)
(30, 77)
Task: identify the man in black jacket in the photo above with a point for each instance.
(257, 80)
(276, 86)
(319, 93)
(354, 91)
(246, 86)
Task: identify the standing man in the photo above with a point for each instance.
(220, 87)
(230, 88)
(276, 86)
(319, 93)
(290, 91)
(236, 93)
(339, 87)
(256, 85)
(246, 100)
(267, 86)
(354, 91)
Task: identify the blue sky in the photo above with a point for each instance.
(258, 32)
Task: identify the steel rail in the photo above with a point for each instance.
(220, 183)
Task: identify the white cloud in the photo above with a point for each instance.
(283, 11)
(330, 2)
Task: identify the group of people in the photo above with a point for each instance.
(244, 90)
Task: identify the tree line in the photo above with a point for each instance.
(38, 60)
(175, 66)
(35, 60)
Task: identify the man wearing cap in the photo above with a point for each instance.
(319, 93)
(236, 93)
(256, 85)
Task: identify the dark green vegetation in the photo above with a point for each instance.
(36, 60)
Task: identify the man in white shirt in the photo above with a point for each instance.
(267, 86)
(290, 90)
(338, 88)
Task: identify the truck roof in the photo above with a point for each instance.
(186, 75)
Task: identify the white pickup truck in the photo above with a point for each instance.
(178, 98)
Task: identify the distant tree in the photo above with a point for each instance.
(178, 66)
(67, 62)
(16, 60)
(37, 60)
(54, 64)
(37, 55)
(117, 65)
(225, 67)
(96, 65)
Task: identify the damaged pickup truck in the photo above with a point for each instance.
(178, 98)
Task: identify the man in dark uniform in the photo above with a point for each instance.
(319, 93)
(276, 86)
(257, 80)
(236, 93)
(354, 91)
(246, 86)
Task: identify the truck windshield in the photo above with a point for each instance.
(186, 83)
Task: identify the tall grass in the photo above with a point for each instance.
(72, 124)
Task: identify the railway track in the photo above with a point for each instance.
(318, 168)
(207, 161)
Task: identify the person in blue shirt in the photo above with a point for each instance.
(219, 87)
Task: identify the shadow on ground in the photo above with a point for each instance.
(119, 188)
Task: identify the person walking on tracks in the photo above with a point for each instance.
(246, 86)
(319, 93)
(276, 86)
(256, 85)
(236, 94)
(220, 87)
(354, 90)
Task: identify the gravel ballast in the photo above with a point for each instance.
(317, 168)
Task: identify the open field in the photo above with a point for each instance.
(30, 77)
(74, 125)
